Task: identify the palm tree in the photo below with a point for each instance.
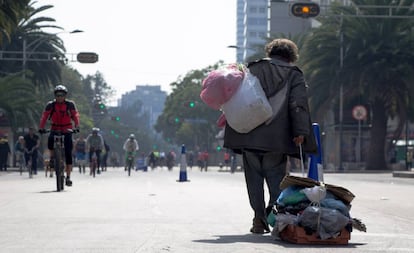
(9, 16)
(377, 65)
(19, 102)
(45, 52)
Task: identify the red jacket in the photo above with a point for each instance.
(60, 115)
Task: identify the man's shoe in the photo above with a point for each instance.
(68, 182)
(259, 226)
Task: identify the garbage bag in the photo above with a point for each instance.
(248, 107)
(326, 222)
(220, 85)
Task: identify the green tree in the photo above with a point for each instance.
(45, 52)
(19, 102)
(182, 124)
(10, 11)
(377, 65)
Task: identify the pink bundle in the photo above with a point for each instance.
(220, 85)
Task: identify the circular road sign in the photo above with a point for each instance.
(359, 112)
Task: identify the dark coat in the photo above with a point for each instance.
(292, 120)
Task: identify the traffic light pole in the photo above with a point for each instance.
(341, 54)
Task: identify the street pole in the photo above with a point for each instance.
(341, 94)
(24, 57)
(35, 44)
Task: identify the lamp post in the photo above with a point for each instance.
(36, 43)
(341, 94)
(245, 51)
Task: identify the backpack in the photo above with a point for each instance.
(69, 106)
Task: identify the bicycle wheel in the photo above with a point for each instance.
(60, 178)
(129, 166)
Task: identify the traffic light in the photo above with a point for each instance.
(87, 57)
(115, 118)
(177, 120)
(305, 10)
(102, 106)
(218, 148)
(190, 104)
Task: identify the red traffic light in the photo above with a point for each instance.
(305, 10)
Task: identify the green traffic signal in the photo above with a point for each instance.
(191, 104)
(177, 120)
(218, 148)
(101, 106)
(117, 118)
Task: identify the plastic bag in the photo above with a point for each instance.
(327, 222)
(220, 85)
(248, 107)
(315, 194)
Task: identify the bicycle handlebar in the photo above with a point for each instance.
(69, 130)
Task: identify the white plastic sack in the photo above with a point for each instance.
(248, 107)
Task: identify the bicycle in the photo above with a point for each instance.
(130, 162)
(21, 161)
(93, 164)
(59, 156)
(29, 164)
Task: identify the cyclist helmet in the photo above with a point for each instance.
(95, 130)
(132, 136)
(61, 88)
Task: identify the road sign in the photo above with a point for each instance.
(359, 112)
(87, 57)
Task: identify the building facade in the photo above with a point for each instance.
(151, 97)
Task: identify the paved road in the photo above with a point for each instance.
(152, 212)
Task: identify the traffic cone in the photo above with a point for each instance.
(315, 165)
(183, 166)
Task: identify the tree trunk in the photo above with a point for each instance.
(376, 152)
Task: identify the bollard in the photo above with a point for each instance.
(183, 166)
(315, 165)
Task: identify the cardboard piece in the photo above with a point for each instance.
(340, 192)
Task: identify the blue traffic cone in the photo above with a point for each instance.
(183, 166)
(315, 165)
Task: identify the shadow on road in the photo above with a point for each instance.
(238, 238)
(48, 191)
(252, 238)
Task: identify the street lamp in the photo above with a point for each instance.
(37, 43)
(243, 50)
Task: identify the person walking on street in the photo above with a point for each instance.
(95, 144)
(64, 117)
(265, 148)
(80, 153)
(105, 156)
(32, 149)
(4, 152)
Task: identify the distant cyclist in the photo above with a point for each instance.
(95, 144)
(131, 147)
(61, 112)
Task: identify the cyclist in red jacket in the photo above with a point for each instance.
(61, 112)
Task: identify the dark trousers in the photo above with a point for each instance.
(267, 167)
(33, 157)
(3, 161)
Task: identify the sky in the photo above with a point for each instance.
(145, 42)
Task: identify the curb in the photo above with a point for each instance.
(406, 174)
